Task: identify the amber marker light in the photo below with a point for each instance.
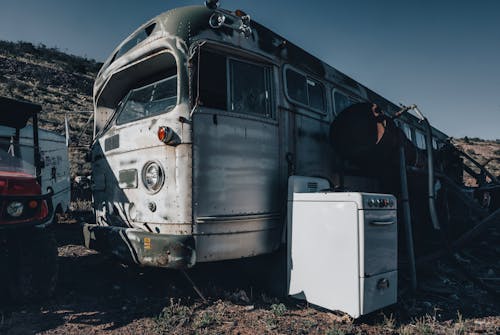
(165, 134)
(33, 204)
(162, 134)
(240, 13)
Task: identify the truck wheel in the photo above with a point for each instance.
(34, 266)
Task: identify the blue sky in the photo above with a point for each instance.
(442, 55)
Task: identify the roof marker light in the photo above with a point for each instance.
(240, 13)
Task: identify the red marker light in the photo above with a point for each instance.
(166, 135)
(240, 13)
(162, 134)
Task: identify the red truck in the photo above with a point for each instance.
(28, 251)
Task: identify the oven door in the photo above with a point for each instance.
(378, 241)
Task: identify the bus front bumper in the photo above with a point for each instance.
(142, 247)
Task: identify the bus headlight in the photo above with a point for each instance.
(153, 176)
(15, 209)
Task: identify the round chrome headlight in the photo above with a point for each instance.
(153, 176)
(15, 209)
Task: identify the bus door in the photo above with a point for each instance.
(235, 147)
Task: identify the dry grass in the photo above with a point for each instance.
(222, 317)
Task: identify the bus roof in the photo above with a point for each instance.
(190, 25)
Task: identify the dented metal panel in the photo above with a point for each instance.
(235, 185)
(236, 163)
(140, 145)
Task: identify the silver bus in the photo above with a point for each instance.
(201, 115)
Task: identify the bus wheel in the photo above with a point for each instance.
(34, 266)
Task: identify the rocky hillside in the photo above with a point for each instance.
(486, 153)
(61, 83)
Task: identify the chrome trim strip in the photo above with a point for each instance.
(242, 217)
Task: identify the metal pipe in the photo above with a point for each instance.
(430, 168)
(405, 201)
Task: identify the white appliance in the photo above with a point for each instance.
(342, 247)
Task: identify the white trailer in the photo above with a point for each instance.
(55, 169)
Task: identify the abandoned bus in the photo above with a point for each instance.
(201, 117)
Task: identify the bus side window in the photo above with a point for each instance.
(434, 143)
(407, 130)
(305, 90)
(316, 94)
(250, 91)
(341, 101)
(213, 80)
(296, 85)
(420, 139)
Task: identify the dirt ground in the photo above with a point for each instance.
(98, 295)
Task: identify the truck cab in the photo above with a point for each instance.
(28, 252)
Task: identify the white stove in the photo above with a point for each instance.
(342, 247)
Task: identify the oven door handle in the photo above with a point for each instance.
(382, 223)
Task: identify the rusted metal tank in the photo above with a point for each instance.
(365, 135)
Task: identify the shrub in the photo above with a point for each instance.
(278, 309)
(173, 316)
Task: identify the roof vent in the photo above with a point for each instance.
(312, 187)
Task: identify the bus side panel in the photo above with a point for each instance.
(236, 200)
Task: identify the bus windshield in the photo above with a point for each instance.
(150, 100)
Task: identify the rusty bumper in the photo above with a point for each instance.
(142, 247)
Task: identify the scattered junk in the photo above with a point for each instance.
(34, 185)
(204, 119)
(81, 188)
